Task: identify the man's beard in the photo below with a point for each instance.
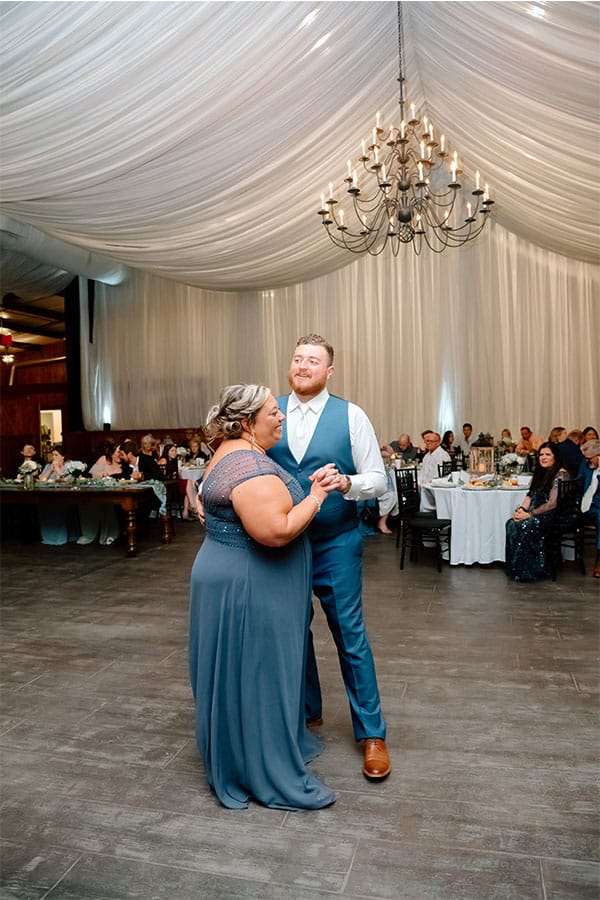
(312, 387)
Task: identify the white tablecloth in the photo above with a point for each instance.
(191, 473)
(478, 521)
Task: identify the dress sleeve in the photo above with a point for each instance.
(550, 503)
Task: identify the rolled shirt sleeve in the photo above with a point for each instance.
(370, 479)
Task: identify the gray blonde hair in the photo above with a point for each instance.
(237, 403)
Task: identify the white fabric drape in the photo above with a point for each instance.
(501, 334)
(193, 140)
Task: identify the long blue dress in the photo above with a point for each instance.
(526, 556)
(249, 617)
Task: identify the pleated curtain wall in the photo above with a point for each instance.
(501, 333)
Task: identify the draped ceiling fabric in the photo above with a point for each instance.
(191, 142)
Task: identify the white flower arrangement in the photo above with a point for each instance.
(511, 459)
(30, 467)
(74, 467)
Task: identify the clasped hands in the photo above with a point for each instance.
(520, 514)
(329, 479)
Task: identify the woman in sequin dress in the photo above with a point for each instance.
(525, 532)
(249, 613)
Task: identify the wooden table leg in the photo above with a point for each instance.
(131, 532)
(167, 529)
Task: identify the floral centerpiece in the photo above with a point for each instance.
(74, 468)
(28, 471)
(511, 463)
(30, 467)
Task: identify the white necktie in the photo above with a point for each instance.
(591, 490)
(302, 435)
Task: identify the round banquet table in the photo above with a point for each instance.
(478, 520)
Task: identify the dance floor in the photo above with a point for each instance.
(490, 691)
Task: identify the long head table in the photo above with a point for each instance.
(128, 496)
(479, 519)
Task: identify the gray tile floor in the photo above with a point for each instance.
(490, 691)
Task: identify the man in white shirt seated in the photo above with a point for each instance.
(467, 439)
(434, 456)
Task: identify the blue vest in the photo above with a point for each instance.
(330, 443)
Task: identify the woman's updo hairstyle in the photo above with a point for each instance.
(238, 403)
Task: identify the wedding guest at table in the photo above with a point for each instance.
(571, 456)
(100, 520)
(448, 443)
(197, 449)
(526, 557)
(590, 504)
(401, 448)
(506, 443)
(29, 453)
(529, 442)
(435, 455)
(59, 523)
(557, 434)
(590, 433)
(250, 602)
(467, 438)
(169, 462)
(148, 446)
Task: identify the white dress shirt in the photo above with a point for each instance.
(431, 461)
(302, 418)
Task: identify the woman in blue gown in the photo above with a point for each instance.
(59, 523)
(526, 557)
(249, 613)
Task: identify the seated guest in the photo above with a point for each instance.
(590, 504)
(525, 532)
(139, 466)
(558, 434)
(571, 456)
(506, 443)
(590, 433)
(196, 449)
(448, 443)
(148, 446)
(169, 462)
(435, 455)
(401, 449)
(468, 438)
(529, 443)
(101, 521)
(29, 453)
(59, 524)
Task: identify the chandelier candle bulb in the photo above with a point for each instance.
(331, 190)
(364, 149)
(349, 169)
(477, 180)
(443, 143)
(377, 120)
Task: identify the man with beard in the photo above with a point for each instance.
(320, 428)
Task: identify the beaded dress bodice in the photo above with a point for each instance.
(222, 523)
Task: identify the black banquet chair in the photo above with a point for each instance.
(414, 526)
(445, 468)
(568, 526)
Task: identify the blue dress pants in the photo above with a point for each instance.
(337, 582)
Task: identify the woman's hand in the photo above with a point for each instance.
(521, 514)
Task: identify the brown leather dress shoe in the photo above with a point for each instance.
(377, 761)
(314, 722)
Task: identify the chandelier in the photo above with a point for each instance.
(405, 188)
